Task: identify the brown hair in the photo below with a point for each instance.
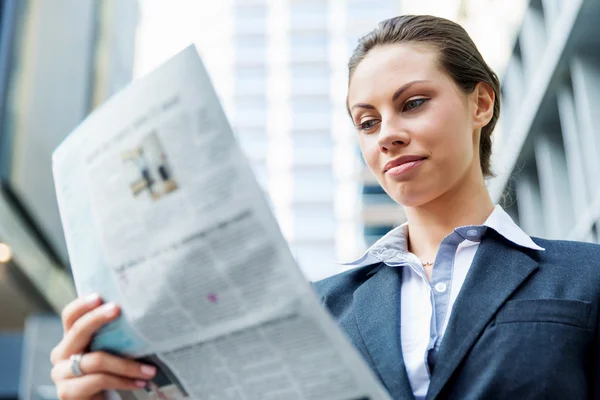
(459, 57)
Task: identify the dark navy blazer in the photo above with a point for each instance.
(525, 324)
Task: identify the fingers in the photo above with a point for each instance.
(77, 339)
(81, 319)
(90, 386)
(77, 308)
(100, 362)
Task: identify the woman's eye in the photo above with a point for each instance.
(413, 104)
(366, 125)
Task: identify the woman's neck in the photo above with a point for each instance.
(430, 223)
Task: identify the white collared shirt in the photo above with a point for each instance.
(426, 305)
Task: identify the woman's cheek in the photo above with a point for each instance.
(370, 152)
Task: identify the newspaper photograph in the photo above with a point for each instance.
(163, 216)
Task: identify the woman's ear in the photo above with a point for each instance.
(483, 110)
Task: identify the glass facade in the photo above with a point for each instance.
(548, 156)
(50, 79)
(250, 84)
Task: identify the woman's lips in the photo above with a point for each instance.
(403, 168)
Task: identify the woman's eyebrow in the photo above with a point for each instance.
(395, 96)
(405, 87)
(363, 105)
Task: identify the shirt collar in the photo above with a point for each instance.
(501, 222)
(394, 243)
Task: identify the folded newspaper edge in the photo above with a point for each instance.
(163, 216)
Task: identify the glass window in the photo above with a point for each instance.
(317, 39)
(377, 199)
(305, 7)
(313, 148)
(309, 46)
(252, 41)
(368, 9)
(251, 111)
(251, 103)
(316, 86)
(377, 230)
(311, 71)
(311, 121)
(311, 15)
(313, 184)
(319, 104)
(250, 11)
(249, 117)
(365, 3)
(374, 194)
(251, 133)
(251, 86)
(314, 156)
(316, 261)
(258, 72)
(312, 220)
(311, 112)
(372, 189)
(251, 47)
(312, 255)
(315, 139)
(250, 19)
(250, 81)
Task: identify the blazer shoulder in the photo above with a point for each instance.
(344, 282)
(337, 292)
(571, 255)
(570, 250)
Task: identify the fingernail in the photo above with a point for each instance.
(148, 370)
(92, 298)
(140, 384)
(109, 309)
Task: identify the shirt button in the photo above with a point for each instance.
(440, 287)
(472, 232)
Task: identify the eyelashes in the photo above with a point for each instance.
(409, 106)
(414, 104)
(368, 124)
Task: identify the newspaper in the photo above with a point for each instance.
(163, 216)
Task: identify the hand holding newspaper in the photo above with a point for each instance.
(163, 216)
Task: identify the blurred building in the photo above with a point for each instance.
(58, 60)
(288, 111)
(548, 159)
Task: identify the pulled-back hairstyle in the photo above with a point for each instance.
(458, 56)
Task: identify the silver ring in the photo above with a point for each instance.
(75, 361)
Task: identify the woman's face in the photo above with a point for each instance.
(418, 131)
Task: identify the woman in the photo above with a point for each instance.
(458, 302)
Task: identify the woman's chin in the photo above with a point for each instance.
(412, 197)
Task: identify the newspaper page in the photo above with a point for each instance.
(163, 216)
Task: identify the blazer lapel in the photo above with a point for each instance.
(497, 271)
(377, 314)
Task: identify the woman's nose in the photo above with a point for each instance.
(392, 136)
